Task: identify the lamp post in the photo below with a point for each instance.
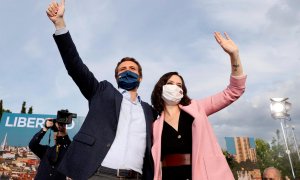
(294, 138)
(279, 108)
(295, 142)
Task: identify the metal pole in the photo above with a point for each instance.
(295, 142)
(286, 145)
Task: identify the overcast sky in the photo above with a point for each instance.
(164, 35)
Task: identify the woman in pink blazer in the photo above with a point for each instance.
(184, 144)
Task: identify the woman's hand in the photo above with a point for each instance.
(230, 48)
(226, 43)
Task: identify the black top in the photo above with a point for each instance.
(50, 156)
(177, 142)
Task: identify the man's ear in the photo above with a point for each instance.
(140, 79)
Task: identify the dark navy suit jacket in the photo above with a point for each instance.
(91, 144)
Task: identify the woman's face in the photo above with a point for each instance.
(175, 80)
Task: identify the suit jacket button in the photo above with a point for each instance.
(108, 145)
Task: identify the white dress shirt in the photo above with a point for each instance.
(128, 149)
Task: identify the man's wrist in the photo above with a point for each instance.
(61, 31)
(60, 24)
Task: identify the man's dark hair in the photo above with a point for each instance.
(132, 60)
(156, 99)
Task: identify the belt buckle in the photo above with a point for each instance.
(118, 174)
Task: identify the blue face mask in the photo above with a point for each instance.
(128, 80)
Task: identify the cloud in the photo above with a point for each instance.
(252, 117)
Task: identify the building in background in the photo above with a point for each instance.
(4, 143)
(243, 148)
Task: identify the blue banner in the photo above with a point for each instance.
(20, 128)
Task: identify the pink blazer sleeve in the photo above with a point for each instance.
(224, 98)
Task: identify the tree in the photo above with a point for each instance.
(275, 155)
(1, 105)
(2, 110)
(264, 154)
(248, 165)
(30, 110)
(231, 162)
(230, 159)
(23, 110)
(283, 163)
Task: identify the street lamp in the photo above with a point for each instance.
(295, 142)
(294, 138)
(279, 111)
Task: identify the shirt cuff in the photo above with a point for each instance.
(61, 31)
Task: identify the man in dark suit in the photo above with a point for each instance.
(114, 141)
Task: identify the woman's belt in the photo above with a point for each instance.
(176, 160)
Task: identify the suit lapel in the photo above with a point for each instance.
(148, 119)
(118, 101)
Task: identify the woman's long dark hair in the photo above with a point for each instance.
(156, 99)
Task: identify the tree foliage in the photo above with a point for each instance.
(2, 110)
(264, 154)
(30, 110)
(231, 162)
(23, 110)
(274, 154)
(269, 155)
